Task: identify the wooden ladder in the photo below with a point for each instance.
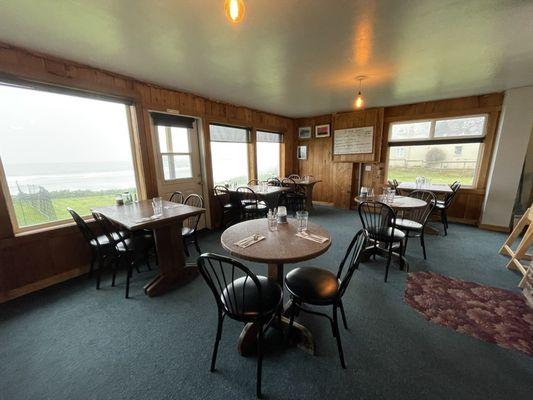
(521, 252)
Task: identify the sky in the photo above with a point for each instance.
(43, 127)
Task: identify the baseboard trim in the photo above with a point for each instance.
(322, 203)
(496, 228)
(44, 283)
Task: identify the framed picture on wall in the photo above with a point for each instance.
(301, 152)
(322, 131)
(304, 132)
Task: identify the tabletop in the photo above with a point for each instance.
(399, 203)
(432, 188)
(130, 215)
(278, 247)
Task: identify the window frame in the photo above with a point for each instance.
(432, 140)
(130, 114)
(281, 143)
(161, 154)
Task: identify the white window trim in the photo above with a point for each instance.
(161, 154)
(433, 122)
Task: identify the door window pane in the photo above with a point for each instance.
(411, 130)
(442, 163)
(62, 151)
(460, 127)
(176, 166)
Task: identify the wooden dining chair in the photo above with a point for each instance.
(441, 206)
(127, 249)
(273, 181)
(250, 205)
(295, 198)
(321, 287)
(229, 211)
(379, 221)
(414, 221)
(189, 230)
(242, 296)
(177, 197)
(254, 182)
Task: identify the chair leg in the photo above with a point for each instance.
(405, 244)
(115, 267)
(389, 258)
(443, 220)
(128, 276)
(217, 340)
(147, 256)
(338, 336)
(99, 272)
(91, 268)
(197, 245)
(185, 248)
(423, 244)
(291, 320)
(341, 306)
(259, 358)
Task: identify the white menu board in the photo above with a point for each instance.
(353, 140)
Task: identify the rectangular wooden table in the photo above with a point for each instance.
(437, 189)
(168, 240)
(308, 186)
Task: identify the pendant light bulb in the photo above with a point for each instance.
(359, 101)
(234, 10)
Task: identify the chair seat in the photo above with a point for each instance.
(408, 224)
(241, 298)
(255, 207)
(186, 231)
(104, 241)
(312, 285)
(228, 206)
(385, 234)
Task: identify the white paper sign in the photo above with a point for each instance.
(353, 140)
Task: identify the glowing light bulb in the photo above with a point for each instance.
(234, 10)
(359, 102)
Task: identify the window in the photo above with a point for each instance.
(268, 152)
(175, 150)
(60, 151)
(229, 154)
(444, 150)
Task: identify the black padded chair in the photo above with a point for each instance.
(250, 205)
(101, 248)
(294, 176)
(242, 296)
(321, 287)
(254, 182)
(177, 197)
(126, 249)
(379, 221)
(394, 185)
(441, 206)
(190, 225)
(414, 221)
(229, 211)
(273, 181)
(295, 198)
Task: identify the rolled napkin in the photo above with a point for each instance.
(248, 241)
(312, 237)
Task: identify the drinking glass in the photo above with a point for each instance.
(363, 192)
(302, 219)
(390, 195)
(272, 222)
(157, 205)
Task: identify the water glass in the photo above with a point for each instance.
(363, 192)
(272, 222)
(390, 195)
(157, 205)
(302, 219)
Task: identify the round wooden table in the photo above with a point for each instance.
(278, 248)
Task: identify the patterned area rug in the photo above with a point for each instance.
(491, 314)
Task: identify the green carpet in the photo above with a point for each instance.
(73, 342)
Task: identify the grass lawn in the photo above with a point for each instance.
(447, 176)
(27, 215)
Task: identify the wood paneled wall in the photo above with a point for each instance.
(35, 260)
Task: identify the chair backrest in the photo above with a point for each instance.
(176, 197)
(110, 230)
(222, 195)
(351, 260)
(193, 200)
(422, 214)
(247, 195)
(220, 273)
(450, 196)
(378, 220)
(294, 176)
(396, 184)
(290, 183)
(86, 231)
(273, 181)
(254, 182)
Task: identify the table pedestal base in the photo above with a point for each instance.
(370, 250)
(162, 283)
